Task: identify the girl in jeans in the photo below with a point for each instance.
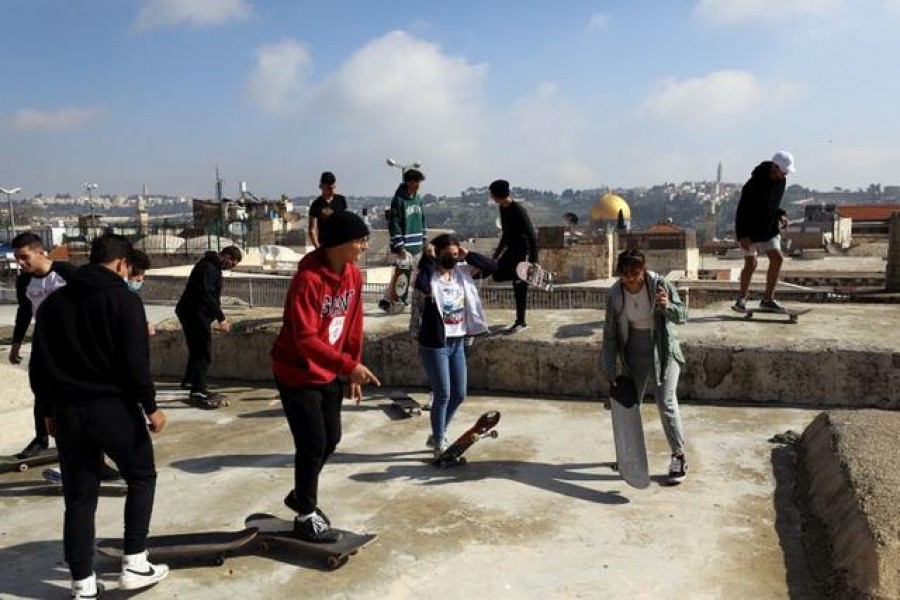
(451, 311)
(642, 310)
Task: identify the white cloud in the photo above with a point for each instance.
(278, 82)
(719, 97)
(598, 22)
(62, 119)
(735, 11)
(196, 13)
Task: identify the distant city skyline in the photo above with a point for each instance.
(587, 95)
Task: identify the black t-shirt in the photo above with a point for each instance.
(321, 209)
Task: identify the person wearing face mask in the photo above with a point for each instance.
(140, 264)
(642, 309)
(90, 373)
(451, 312)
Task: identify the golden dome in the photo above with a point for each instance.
(608, 207)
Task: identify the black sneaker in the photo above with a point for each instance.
(740, 305)
(677, 469)
(517, 327)
(315, 530)
(208, 400)
(771, 305)
(35, 447)
(291, 502)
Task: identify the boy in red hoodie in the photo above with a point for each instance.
(320, 340)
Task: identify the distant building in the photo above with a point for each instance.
(869, 220)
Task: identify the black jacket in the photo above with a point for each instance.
(518, 237)
(25, 311)
(203, 292)
(759, 209)
(90, 344)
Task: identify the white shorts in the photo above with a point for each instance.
(757, 248)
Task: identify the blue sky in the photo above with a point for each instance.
(550, 95)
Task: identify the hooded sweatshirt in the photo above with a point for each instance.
(31, 290)
(406, 224)
(322, 332)
(91, 345)
(203, 292)
(759, 209)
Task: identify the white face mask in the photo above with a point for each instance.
(134, 286)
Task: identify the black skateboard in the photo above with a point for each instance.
(791, 314)
(628, 432)
(13, 463)
(215, 544)
(405, 406)
(274, 529)
(107, 487)
(483, 427)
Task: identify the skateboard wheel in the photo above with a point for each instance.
(494, 434)
(220, 560)
(336, 562)
(22, 468)
(462, 460)
(264, 546)
(614, 466)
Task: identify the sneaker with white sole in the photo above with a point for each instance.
(138, 572)
(677, 469)
(315, 529)
(740, 305)
(771, 305)
(86, 589)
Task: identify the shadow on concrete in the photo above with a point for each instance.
(577, 330)
(789, 524)
(718, 318)
(28, 567)
(12, 489)
(266, 413)
(211, 464)
(552, 478)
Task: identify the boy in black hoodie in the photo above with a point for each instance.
(198, 307)
(90, 372)
(758, 221)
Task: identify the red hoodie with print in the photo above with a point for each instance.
(322, 332)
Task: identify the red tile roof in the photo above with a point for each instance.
(867, 212)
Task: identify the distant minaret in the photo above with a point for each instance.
(218, 187)
(715, 202)
(142, 216)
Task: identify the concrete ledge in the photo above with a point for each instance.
(853, 487)
(837, 356)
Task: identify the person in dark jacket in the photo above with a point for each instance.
(39, 277)
(758, 223)
(517, 244)
(324, 206)
(451, 312)
(90, 373)
(198, 307)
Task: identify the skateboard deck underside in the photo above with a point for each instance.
(628, 433)
(184, 544)
(535, 275)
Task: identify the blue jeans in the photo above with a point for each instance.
(447, 374)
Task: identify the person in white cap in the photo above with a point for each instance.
(758, 223)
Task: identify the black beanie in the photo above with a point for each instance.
(500, 189)
(341, 227)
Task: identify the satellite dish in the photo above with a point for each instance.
(570, 219)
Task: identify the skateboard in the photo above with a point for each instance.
(535, 275)
(628, 432)
(483, 427)
(281, 531)
(405, 406)
(115, 486)
(215, 544)
(13, 463)
(791, 314)
(400, 283)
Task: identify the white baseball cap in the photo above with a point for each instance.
(785, 161)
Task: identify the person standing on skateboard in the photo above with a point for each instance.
(198, 307)
(451, 312)
(320, 341)
(39, 277)
(324, 206)
(517, 244)
(406, 227)
(90, 372)
(642, 309)
(758, 221)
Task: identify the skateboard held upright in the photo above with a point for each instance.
(535, 275)
(483, 427)
(628, 432)
(398, 287)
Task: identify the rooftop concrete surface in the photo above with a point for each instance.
(536, 513)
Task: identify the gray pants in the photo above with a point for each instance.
(639, 360)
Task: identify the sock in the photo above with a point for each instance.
(305, 518)
(135, 561)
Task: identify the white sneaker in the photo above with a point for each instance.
(138, 572)
(86, 589)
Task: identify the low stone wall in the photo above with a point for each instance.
(852, 487)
